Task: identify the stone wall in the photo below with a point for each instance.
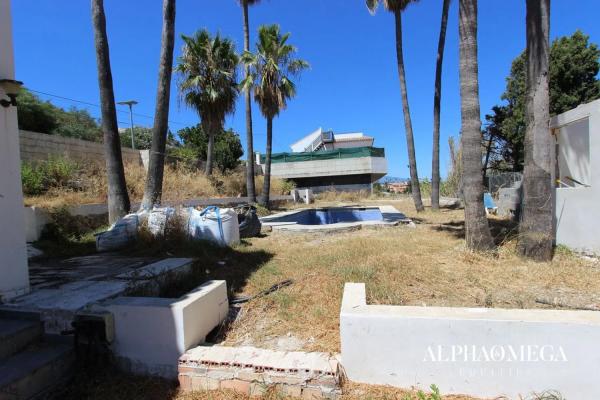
(39, 146)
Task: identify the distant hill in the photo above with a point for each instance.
(392, 179)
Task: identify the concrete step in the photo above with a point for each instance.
(15, 335)
(36, 370)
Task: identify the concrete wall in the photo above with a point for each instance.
(152, 333)
(577, 214)
(39, 146)
(480, 352)
(14, 274)
(333, 167)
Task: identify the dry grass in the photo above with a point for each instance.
(180, 183)
(424, 266)
(428, 265)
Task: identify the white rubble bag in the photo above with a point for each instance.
(119, 235)
(157, 220)
(216, 224)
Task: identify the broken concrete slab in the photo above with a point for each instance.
(58, 299)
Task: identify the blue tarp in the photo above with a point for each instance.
(488, 202)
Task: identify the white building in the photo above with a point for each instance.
(577, 213)
(324, 160)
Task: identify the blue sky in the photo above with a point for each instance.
(352, 84)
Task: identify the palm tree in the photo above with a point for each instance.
(477, 231)
(536, 229)
(156, 164)
(435, 160)
(397, 7)
(249, 140)
(208, 82)
(118, 199)
(271, 69)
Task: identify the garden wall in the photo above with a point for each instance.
(482, 352)
(39, 146)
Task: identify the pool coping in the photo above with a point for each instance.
(391, 217)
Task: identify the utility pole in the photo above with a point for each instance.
(130, 103)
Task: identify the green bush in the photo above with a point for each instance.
(188, 156)
(287, 187)
(32, 179)
(59, 171)
(56, 172)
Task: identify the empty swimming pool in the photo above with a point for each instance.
(326, 216)
(334, 218)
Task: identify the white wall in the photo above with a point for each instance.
(14, 274)
(152, 333)
(303, 143)
(481, 352)
(577, 215)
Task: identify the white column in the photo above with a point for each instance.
(14, 274)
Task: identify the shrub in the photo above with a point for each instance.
(57, 172)
(188, 156)
(32, 179)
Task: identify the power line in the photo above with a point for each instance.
(275, 142)
(98, 106)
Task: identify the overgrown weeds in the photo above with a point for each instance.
(54, 173)
(60, 181)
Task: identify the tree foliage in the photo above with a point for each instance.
(574, 66)
(208, 83)
(272, 68)
(142, 137)
(228, 147)
(270, 72)
(44, 117)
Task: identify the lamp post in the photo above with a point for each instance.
(130, 103)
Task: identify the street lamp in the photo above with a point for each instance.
(130, 103)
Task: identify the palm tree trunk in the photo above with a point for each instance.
(410, 143)
(249, 140)
(477, 230)
(536, 229)
(156, 164)
(118, 199)
(210, 150)
(267, 181)
(435, 160)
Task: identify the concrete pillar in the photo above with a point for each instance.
(14, 274)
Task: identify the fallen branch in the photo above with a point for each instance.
(275, 287)
(558, 303)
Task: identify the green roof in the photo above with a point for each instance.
(352, 152)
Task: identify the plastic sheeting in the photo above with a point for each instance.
(219, 225)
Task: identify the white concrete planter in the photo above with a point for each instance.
(476, 351)
(152, 333)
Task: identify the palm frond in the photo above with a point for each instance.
(272, 66)
(207, 75)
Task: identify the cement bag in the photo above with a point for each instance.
(120, 234)
(216, 224)
(157, 220)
